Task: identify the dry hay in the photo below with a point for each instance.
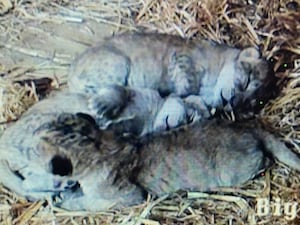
(272, 25)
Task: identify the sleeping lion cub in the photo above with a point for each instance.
(56, 150)
(224, 78)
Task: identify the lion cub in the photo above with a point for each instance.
(56, 151)
(224, 78)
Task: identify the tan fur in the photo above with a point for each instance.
(209, 155)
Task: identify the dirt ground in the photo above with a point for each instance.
(46, 44)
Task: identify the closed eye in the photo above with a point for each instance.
(242, 83)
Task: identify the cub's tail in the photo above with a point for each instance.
(281, 152)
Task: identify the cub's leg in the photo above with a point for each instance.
(102, 193)
(90, 202)
(182, 75)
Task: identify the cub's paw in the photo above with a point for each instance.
(67, 197)
(71, 200)
(196, 108)
(69, 185)
(47, 182)
(172, 114)
(109, 101)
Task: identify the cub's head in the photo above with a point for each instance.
(254, 83)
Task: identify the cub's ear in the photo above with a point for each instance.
(249, 54)
(248, 59)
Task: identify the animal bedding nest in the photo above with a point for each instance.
(39, 39)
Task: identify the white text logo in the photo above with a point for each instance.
(276, 208)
